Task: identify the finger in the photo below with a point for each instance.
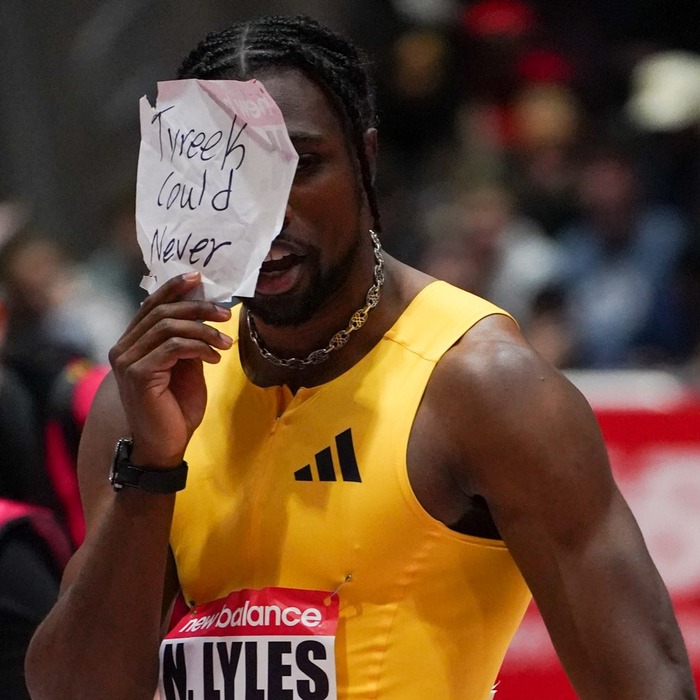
(167, 332)
(168, 354)
(183, 310)
(175, 289)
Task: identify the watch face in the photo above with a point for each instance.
(121, 458)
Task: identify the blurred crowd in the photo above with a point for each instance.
(525, 157)
(58, 318)
(532, 158)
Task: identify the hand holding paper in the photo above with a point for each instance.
(216, 166)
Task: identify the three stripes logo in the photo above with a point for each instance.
(349, 470)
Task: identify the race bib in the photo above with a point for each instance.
(267, 644)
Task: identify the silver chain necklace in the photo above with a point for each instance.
(358, 319)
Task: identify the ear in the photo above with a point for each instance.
(371, 149)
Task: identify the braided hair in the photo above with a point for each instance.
(329, 59)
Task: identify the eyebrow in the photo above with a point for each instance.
(306, 137)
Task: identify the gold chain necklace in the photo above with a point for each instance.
(357, 320)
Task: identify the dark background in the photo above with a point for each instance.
(73, 71)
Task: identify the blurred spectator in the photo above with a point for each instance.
(34, 546)
(41, 336)
(664, 108)
(546, 131)
(116, 266)
(69, 402)
(549, 330)
(520, 118)
(54, 313)
(39, 440)
(47, 374)
(417, 100)
(22, 471)
(493, 35)
(666, 91)
(33, 553)
(620, 259)
(481, 243)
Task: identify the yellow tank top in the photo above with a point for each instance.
(310, 491)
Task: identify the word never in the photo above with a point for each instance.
(177, 248)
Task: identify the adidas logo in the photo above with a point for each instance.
(349, 470)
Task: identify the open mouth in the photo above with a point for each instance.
(279, 261)
(280, 270)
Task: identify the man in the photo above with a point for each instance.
(410, 469)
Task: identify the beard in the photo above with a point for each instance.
(295, 308)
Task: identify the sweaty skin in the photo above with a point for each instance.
(519, 454)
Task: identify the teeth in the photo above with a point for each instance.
(276, 255)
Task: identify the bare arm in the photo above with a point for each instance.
(102, 637)
(534, 451)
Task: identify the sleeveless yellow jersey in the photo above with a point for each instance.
(310, 491)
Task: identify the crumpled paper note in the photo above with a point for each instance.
(216, 166)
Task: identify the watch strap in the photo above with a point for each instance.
(150, 480)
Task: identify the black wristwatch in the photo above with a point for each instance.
(124, 473)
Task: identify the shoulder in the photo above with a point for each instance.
(512, 419)
(494, 363)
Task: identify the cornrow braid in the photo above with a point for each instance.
(326, 57)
